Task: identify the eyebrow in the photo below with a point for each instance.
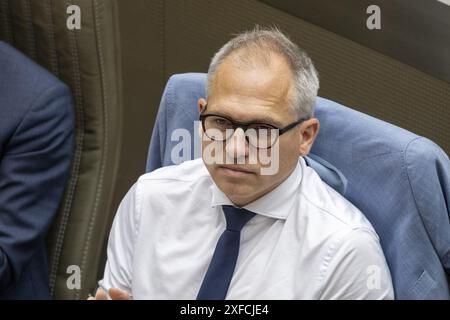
(262, 120)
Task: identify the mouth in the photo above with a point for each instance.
(236, 171)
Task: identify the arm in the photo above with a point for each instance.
(34, 168)
(119, 264)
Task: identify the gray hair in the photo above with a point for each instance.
(262, 43)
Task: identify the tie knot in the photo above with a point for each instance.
(236, 217)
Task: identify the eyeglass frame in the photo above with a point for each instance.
(244, 126)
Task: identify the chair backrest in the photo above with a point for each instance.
(399, 180)
(88, 61)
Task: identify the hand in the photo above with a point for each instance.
(114, 293)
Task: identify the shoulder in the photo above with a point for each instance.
(22, 72)
(330, 207)
(25, 86)
(166, 186)
(187, 171)
(357, 244)
(175, 179)
(158, 195)
(351, 247)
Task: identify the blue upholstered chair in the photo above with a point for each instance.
(399, 180)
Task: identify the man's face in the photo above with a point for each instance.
(261, 95)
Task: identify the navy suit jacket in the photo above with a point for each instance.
(36, 145)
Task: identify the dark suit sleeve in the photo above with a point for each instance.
(34, 169)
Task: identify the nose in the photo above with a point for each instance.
(237, 146)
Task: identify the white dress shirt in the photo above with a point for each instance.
(305, 242)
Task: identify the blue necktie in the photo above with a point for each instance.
(217, 279)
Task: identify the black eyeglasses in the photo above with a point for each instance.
(261, 135)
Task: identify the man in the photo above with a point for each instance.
(229, 227)
(36, 147)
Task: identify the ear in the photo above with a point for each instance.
(309, 130)
(201, 103)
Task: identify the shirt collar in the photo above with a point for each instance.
(275, 204)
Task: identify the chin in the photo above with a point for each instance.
(238, 192)
(236, 189)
